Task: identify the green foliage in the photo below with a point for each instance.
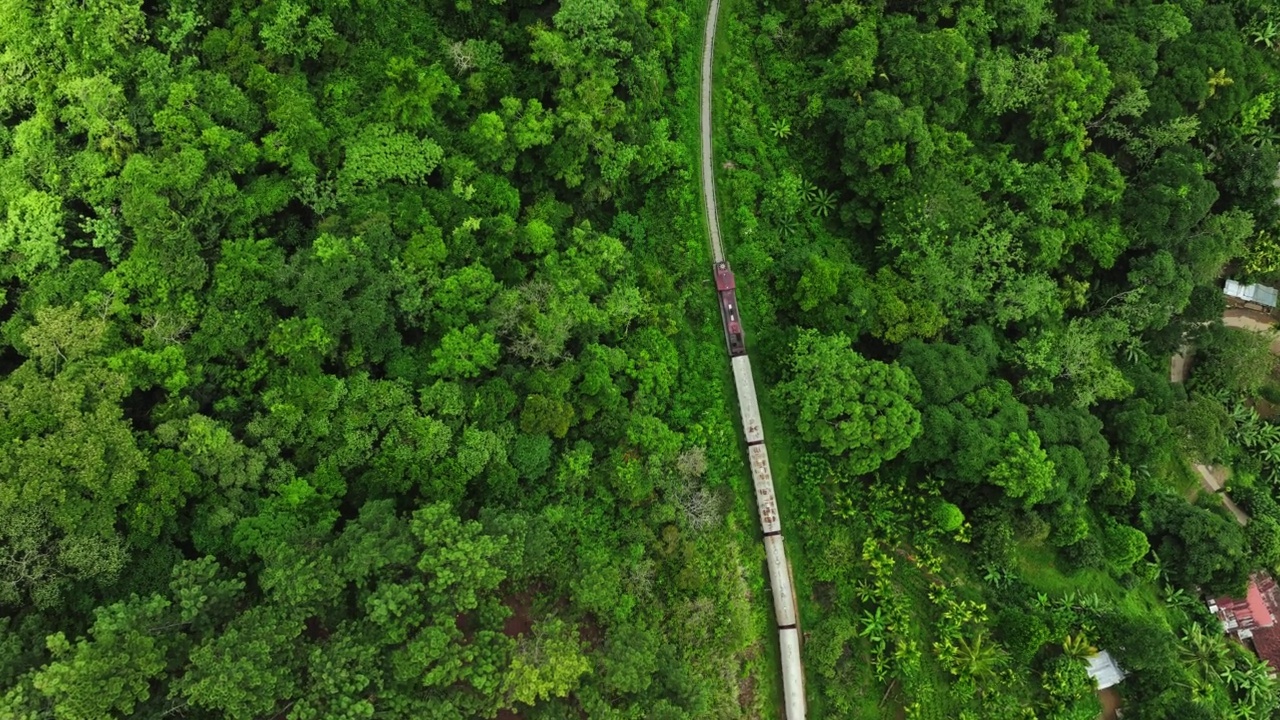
(947, 517)
(1202, 424)
(401, 327)
(1036, 205)
(548, 665)
(851, 406)
(1024, 471)
(1125, 546)
(32, 233)
(313, 290)
(380, 154)
(1234, 360)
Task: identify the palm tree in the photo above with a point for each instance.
(1207, 653)
(1203, 692)
(781, 129)
(1134, 352)
(1067, 601)
(787, 227)
(808, 191)
(1141, 472)
(1077, 647)
(875, 627)
(979, 658)
(1264, 136)
(1217, 79)
(1253, 680)
(823, 203)
(1177, 597)
(995, 576)
(865, 592)
(1090, 602)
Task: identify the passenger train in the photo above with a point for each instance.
(784, 603)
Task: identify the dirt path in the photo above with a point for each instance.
(1252, 320)
(1180, 364)
(1213, 478)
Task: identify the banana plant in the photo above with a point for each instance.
(1240, 413)
(1271, 454)
(1263, 32)
(875, 626)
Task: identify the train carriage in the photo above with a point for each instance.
(762, 479)
(784, 604)
(747, 405)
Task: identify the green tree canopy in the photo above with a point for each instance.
(859, 408)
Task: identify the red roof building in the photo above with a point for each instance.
(1259, 608)
(1266, 643)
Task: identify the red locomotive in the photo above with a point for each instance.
(725, 287)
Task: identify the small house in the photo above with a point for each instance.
(1255, 618)
(1104, 670)
(1259, 607)
(1262, 296)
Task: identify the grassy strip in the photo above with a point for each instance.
(761, 670)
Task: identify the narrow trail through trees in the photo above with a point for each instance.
(780, 578)
(1213, 477)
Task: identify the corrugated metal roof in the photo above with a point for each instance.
(1261, 294)
(1104, 670)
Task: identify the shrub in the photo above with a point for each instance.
(1023, 632)
(947, 517)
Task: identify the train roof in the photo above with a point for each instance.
(724, 277)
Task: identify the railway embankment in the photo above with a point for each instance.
(781, 583)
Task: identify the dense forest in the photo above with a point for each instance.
(360, 358)
(975, 233)
(355, 364)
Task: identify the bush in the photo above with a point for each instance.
(1085, 553)
(1203, 426)
(947, 517)
(993, 538)
(861, 409)
(1070, 525)
(1023, 632)
(1233, 359)
(1066, 681)
(1032, 527)
(1125, 547)
(531, 455)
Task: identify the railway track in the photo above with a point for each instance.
(780, 581)
(704, 111)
